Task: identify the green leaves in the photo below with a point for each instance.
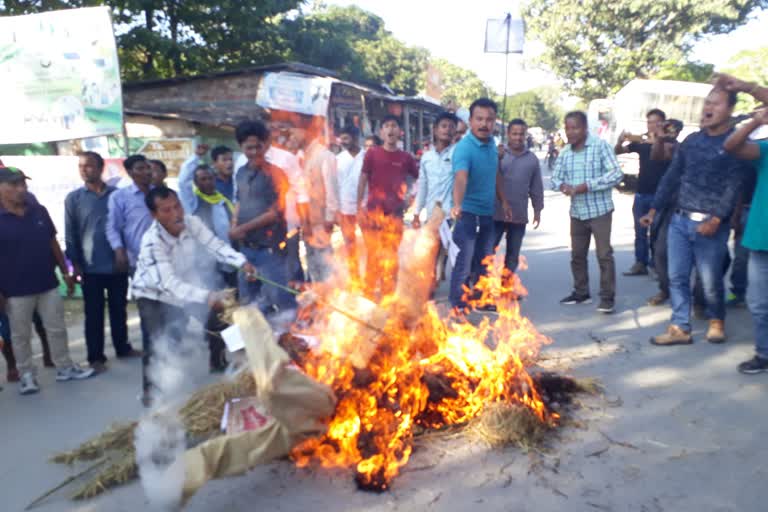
(596, 47)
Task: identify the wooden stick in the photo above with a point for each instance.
(65, 483)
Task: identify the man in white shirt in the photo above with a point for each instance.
(321, 179)
(349, 163)
(169, 284)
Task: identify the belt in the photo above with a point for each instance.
(254, 245)
(694, 216)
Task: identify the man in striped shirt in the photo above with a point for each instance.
(169, 283)
(587, 171)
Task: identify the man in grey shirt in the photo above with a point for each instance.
(520, 177)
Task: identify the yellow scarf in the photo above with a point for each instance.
(216, 198)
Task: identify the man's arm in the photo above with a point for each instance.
(738, 143)
(422, 186)
(115, 222)
(536, 192)
(164, 278)
(620, 148)
(612, 174)
(74, 247)
(362, 184)
(731, 83)
(330, 179)
(186, 183)
(460, 179)
(557, 180)
(61, 262)
(221, 250)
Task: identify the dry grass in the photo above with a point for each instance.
(502, 424)
(123, 470)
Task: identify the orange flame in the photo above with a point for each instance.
(429, 372)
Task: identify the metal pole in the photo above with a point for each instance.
(506, 68)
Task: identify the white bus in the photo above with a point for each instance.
(626, 111)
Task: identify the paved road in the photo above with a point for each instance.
(687, 428)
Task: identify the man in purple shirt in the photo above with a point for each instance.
(129, 218)
(28, 259)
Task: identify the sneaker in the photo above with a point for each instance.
(28, 384)
(74, 372)
(638, 269)
(734, 301)
(658, 299)
(606, 307)
(573, 298)
(716, 331)
(674, 335)
(755, 365)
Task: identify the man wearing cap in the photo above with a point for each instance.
(28, 281)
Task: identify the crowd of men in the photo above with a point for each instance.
(182, 251)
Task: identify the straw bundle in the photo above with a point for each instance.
(502, 424)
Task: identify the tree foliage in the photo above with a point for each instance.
(460, 86)
(532, 108)
(596, 47)
(685, 71)
(750, 65)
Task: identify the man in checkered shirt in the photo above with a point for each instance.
(587, 171)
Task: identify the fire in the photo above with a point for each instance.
(411, 367)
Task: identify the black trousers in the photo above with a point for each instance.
(115, 286)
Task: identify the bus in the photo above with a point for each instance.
(626, 111)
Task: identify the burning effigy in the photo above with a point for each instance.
(373, 374)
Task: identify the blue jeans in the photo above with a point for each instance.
(271, 264)
(515, 234)
(473, 234)
(687, 249)
(757, 299)
(640, 207)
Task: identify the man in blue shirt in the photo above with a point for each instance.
(707, 181)
(129, 218)
(85, 215)
(475, 168)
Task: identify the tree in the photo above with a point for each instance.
(749, 65)
(686, 71)
(460, 86)
(596, 47)
(530, 107)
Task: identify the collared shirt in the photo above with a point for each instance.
(595, 165)
(258, 190)
(169, 268)
(756, 232)
(435, 180)
(297, 186)
(128, 220)
(85, 230)
(348, 170)
(321, 175)
(481, 161)
(521, 179)
(706, 177)
(27, 265)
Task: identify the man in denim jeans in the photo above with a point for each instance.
(755, 237)
(648, 179)
(707, 181)
(475, 168)
(259, 222)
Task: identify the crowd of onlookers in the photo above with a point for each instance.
(240, 225)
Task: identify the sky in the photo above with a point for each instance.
(456, 31)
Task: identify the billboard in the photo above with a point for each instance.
(295, 92)
(61, 78)
(505, 35)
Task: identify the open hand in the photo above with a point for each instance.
(536, 220)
